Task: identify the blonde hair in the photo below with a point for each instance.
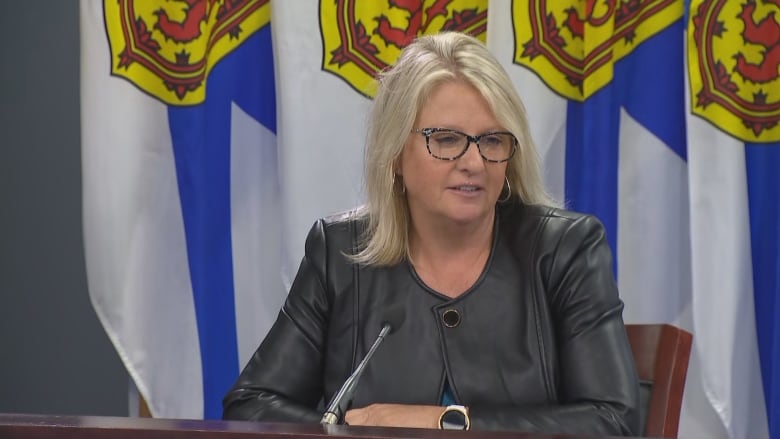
(402, 91)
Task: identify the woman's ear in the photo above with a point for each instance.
(397, 168)
(398, 164)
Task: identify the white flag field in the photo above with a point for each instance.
(215, 133)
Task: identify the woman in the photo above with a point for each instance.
(511, 310)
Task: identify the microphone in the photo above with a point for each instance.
(338, 405)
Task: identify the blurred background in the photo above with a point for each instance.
(55, 357)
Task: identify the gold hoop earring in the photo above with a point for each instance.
(508, 191)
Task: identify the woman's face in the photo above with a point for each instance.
(461, 191)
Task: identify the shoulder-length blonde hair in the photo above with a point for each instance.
(402, 91)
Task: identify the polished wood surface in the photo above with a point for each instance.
(13, 426)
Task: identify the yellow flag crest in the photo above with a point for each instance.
(361, 38)
(168, 48)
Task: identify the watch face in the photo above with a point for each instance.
(453, 419)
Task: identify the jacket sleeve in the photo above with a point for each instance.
(596, 382)
(283, 380)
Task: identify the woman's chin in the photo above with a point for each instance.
(469, 215)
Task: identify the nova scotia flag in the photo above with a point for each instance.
(690, 199)
(181, 193)
(188, 230)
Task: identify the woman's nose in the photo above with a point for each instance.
(471, 159)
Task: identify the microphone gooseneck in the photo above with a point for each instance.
(392, 321)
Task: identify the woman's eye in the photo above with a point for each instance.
(491, 141)
(448, 139)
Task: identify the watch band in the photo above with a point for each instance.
(455, 417)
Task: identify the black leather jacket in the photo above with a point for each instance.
(540, 344)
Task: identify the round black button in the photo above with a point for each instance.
(451, 318)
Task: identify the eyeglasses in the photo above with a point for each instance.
(446, 144)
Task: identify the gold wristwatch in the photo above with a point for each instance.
(455, 417)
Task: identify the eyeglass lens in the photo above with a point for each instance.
(451, 144)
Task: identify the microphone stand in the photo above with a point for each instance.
(336, 407)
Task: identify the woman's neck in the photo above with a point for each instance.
(450, 257)
(449, 237)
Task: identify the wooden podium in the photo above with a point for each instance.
(19, 426)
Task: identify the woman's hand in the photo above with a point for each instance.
(395, 415)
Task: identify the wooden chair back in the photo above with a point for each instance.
(661, 353)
